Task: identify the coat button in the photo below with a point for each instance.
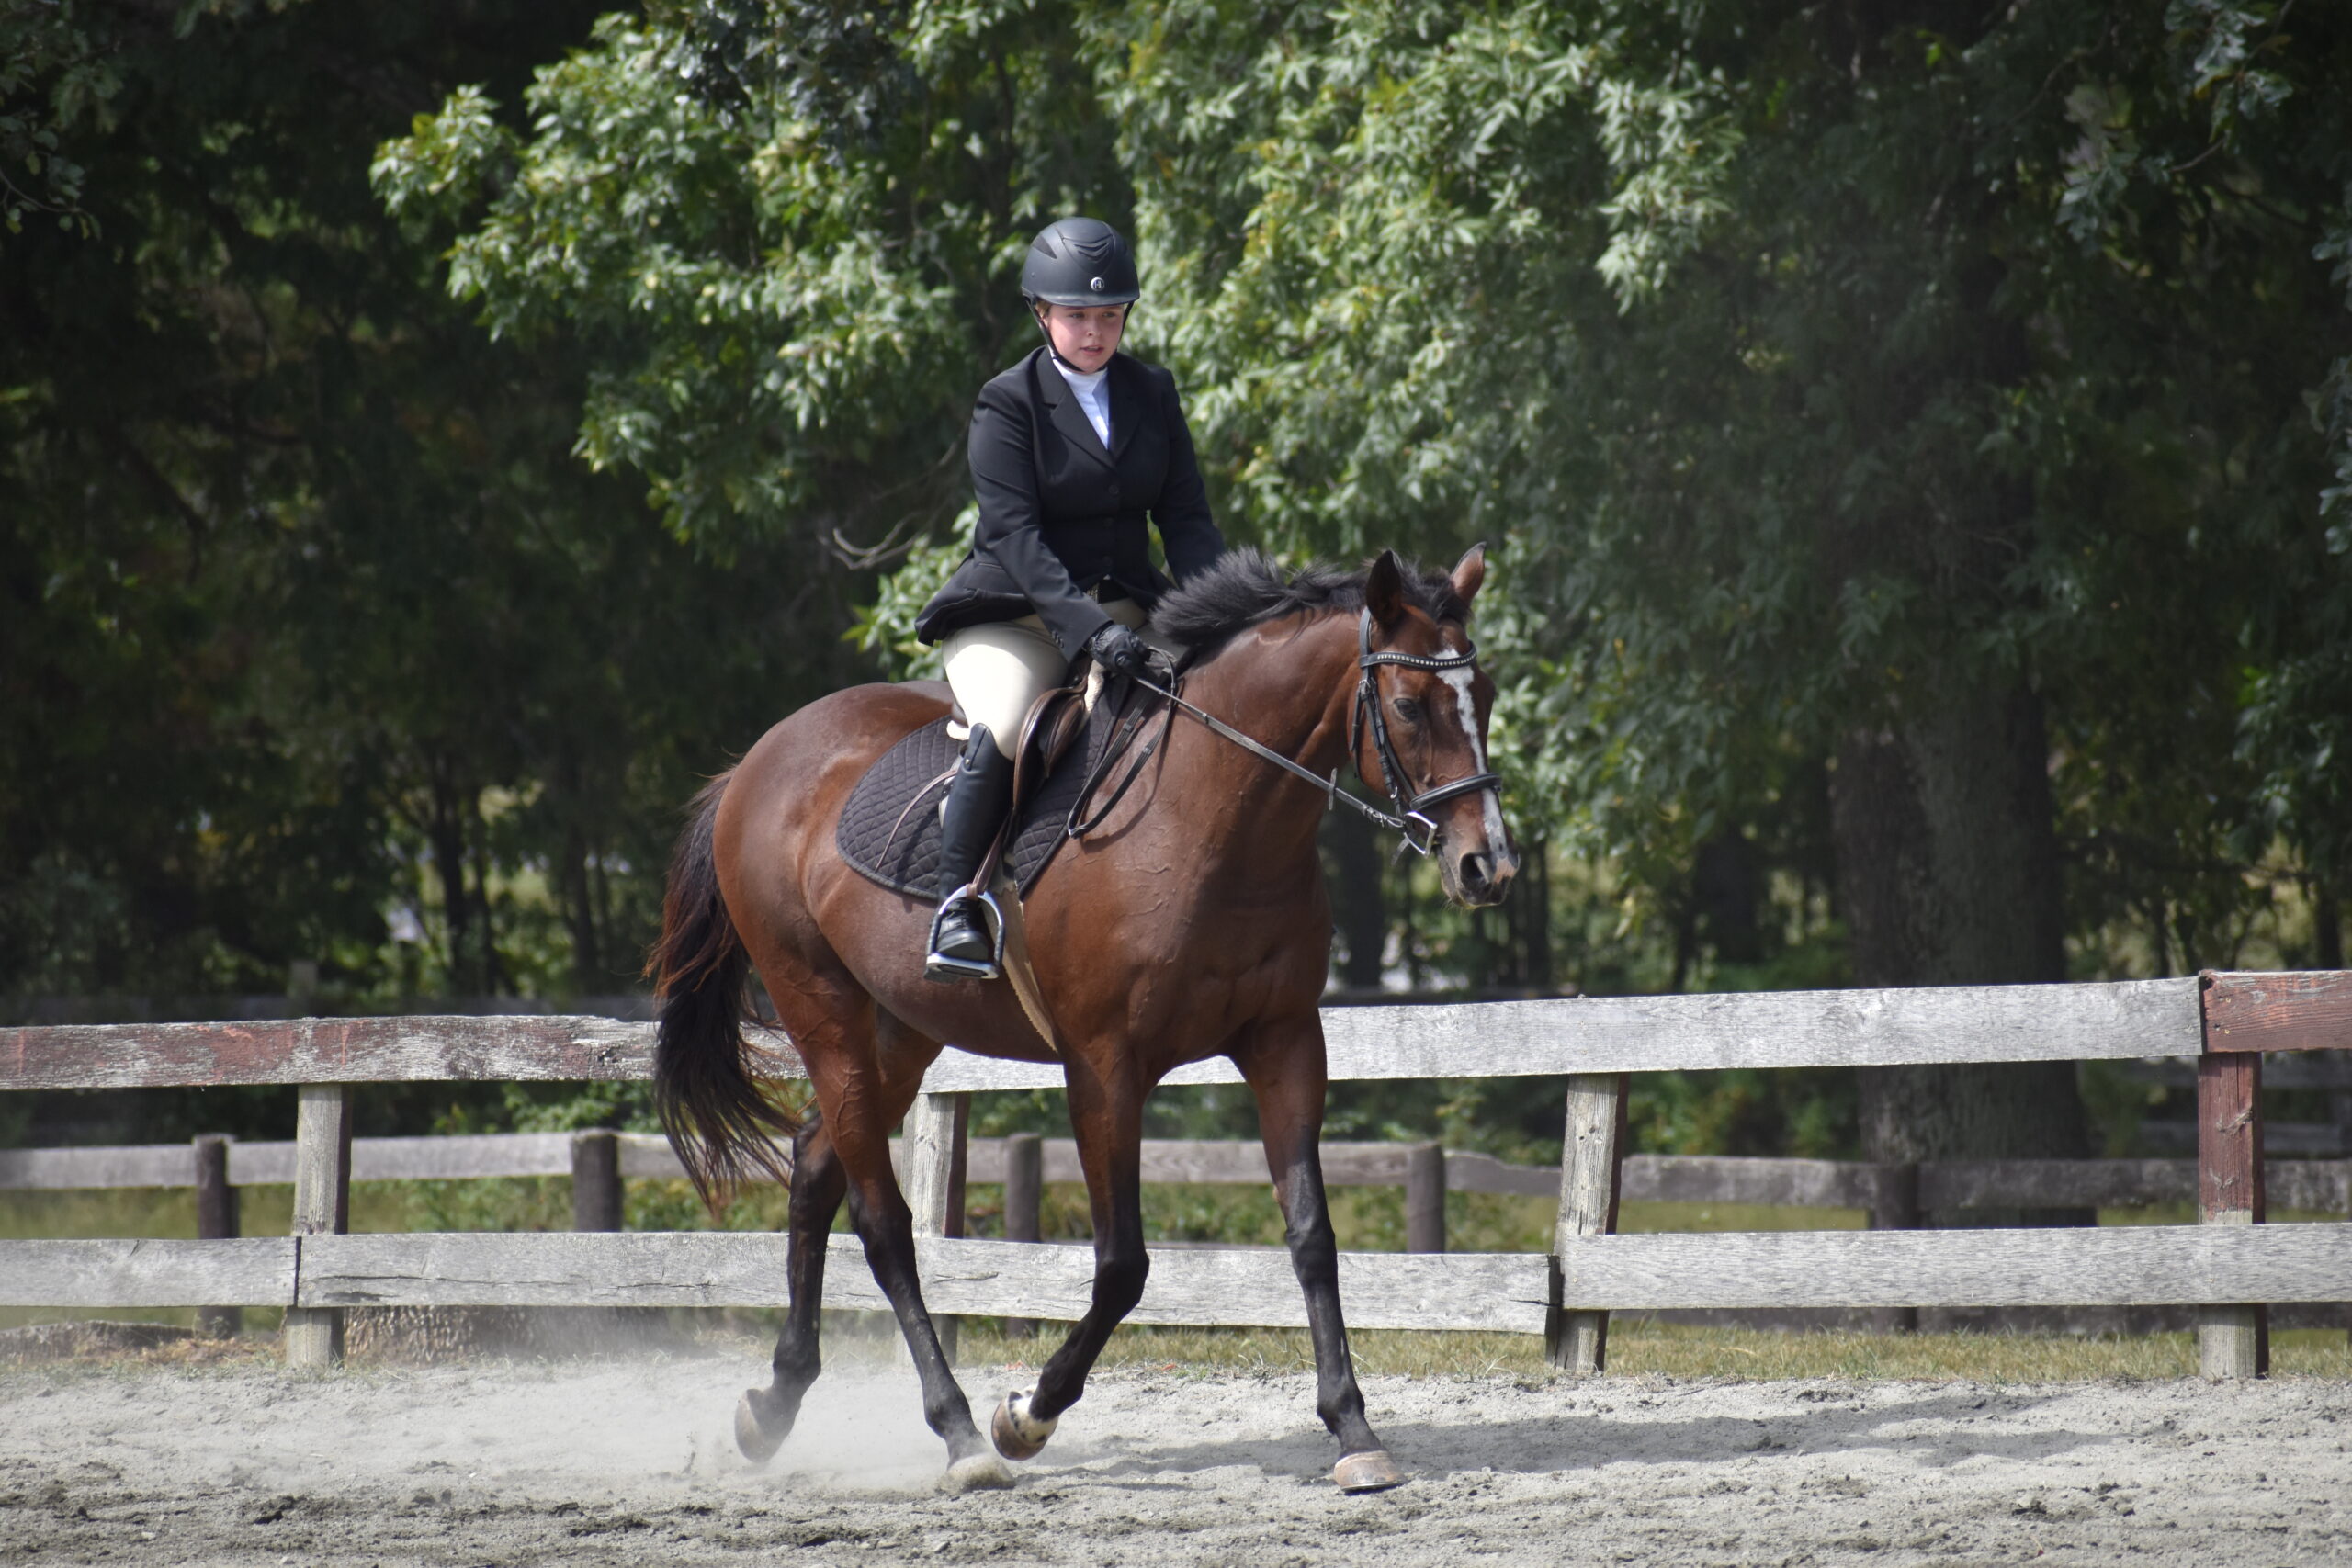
(1114, 495)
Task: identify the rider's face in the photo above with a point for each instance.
(1085, 335)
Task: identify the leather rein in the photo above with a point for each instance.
(1410, 819)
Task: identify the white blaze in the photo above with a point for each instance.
(1498, 842)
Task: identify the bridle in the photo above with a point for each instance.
(1410, 808)
(1411, 818)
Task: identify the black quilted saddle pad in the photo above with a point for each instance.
(898, 848)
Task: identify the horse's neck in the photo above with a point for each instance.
(1285, 686)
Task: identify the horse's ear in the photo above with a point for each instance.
(1469, 572)
(1384, 591)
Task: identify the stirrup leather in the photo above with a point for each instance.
(938, 965)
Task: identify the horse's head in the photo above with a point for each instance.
(1421, 724)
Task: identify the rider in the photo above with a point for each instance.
(1071, 449)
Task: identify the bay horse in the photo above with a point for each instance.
(1191, 922)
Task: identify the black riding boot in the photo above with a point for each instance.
(963, 946)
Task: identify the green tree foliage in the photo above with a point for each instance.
(310, 617)
(1810, 370)
(1803, 362)
(794, 274)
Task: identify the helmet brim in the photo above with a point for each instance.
(1082, 300)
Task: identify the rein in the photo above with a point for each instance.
(1411, 819)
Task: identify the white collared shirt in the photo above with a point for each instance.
(1093, 397)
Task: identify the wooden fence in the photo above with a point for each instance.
(2219, 1266)
(596, 1162)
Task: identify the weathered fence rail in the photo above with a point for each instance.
(2145, 1266)
(2227, 1021)
(2124, 1021)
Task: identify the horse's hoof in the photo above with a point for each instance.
(1018, 1434)
(749, 1436)
(982, 1471)
(1372, 1470)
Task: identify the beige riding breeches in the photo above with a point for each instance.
(999, 669)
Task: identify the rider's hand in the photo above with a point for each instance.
(1118, 650)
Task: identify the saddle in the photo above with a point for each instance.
(889, 827)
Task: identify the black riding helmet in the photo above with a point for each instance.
(1079, 261)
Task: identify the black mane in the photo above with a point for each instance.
(1245, 587)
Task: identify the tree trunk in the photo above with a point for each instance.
(1533, 888)
(492, 969)
(449, 839)
(579, 915)
(1727, 896)
(1948, 872)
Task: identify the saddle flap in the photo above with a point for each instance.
(1054, 723)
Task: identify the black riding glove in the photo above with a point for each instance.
(1118, 650)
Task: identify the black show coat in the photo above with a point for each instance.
(1060, 517)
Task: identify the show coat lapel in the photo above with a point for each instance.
(1062, 403)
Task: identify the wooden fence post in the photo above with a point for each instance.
(1024, 1186)
(322, 1207)
(216, 1219)
(1895, 1206)
(2233, 1341)
(933, 1177)
(597, 1180)
(1591, 1167)
(1424, 1198)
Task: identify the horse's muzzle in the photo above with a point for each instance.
(1482, 876)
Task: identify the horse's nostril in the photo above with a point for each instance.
(1476, 869)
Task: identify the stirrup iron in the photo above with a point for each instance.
(938, 965)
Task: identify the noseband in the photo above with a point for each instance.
(1411, 818)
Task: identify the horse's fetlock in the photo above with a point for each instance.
(949, 1414)
(1338, 1410)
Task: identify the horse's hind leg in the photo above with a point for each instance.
(865, 1105)
(765, 1417)
(1284, 1066)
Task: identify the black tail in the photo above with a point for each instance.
(719, 1120)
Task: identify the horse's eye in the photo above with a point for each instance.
(1406, 709)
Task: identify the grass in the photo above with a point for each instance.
(1367, 1219)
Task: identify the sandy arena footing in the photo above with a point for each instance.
(588, 1463)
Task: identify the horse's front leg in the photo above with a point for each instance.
(1107, 1118)
(1284, 1063)
(765, 1417)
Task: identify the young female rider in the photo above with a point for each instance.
(1072, 450)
